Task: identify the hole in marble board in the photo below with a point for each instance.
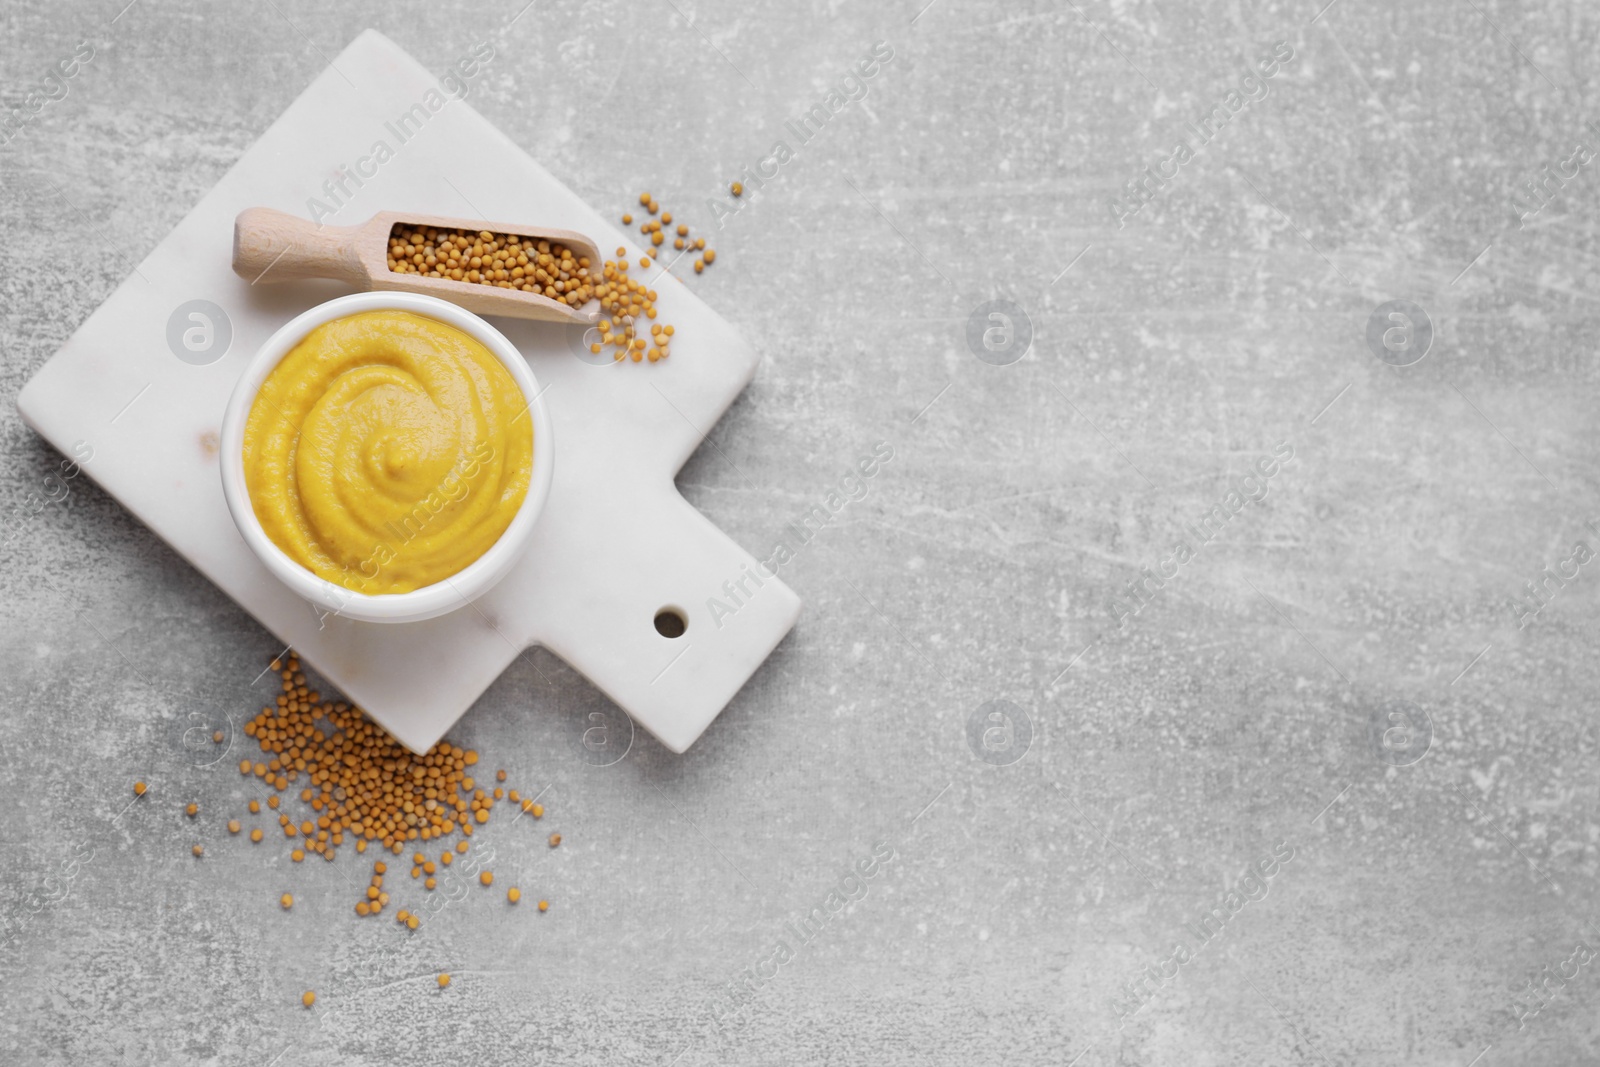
(670, 622)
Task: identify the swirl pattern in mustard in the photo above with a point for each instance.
(387, 451)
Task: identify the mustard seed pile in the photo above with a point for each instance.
(361, 786)
(627, 302)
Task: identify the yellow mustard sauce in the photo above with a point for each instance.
(387, 451)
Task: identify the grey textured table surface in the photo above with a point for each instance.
(1341, 675)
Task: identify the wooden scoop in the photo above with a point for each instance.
(271, 246)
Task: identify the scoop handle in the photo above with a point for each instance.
(273, 246)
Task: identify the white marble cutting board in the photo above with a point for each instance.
(616, 542)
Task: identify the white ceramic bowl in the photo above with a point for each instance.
(431, 600)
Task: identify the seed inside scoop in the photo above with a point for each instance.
(549, 268)
(500, 259)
